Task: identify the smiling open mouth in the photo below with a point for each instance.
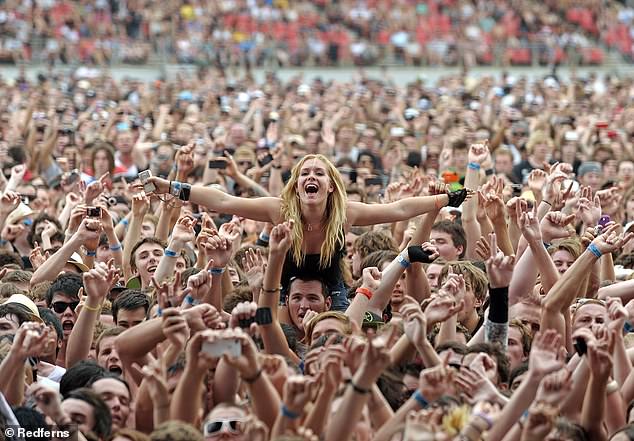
(311, 188)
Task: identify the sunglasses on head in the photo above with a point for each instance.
(213, 427)
(60, 307)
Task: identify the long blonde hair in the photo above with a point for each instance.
(335, 215)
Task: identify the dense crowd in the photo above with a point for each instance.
(305, 33)
(213, 258)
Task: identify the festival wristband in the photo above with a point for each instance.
(170, 253)
(286, 412)
(91, 253)
(594, 250)
(474, 166)
(420, 399)
(175, 188)
(403, 261)
(115, 247)
(365, 292)
(216, 271)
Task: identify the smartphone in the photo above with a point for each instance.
(218, 348)
(265, 160)
(373, 181)
(93, 211)
(604, 220)
(217, 163)
(148, 187)
(262, 317)
(580, 346)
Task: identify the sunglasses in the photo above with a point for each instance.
(213, 427)
(60, 307)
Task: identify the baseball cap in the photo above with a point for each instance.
(589, 167)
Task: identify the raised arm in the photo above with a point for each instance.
(260, 209)
(367, 214)
(97, 283)
(272, 334)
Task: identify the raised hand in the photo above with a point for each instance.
(48, 401)
(280, 238)
(30, 340)
(94, 189)
(434, 382)
(17, 173)
(298, 391)
(141, 204)
(376, 356)
(167, 293)
(441, 308)
(545, 356)
(555, 226)
(9, 202)
(494, 208)
(536, 182)
(36, 257)
(541, 418)
(98, 282)
(609, 200)
(499, 267)
(478, 153)
(217, 249)
(415, 323)
(555, 387)
(175, 328)
(371, 278)
(185, 160)
(243, 316)
(183, 231)
(154, 374)
(610, 241)
(254, 266)
(529, 226)
(247, 363)
(88, 232)
(199, 284)
(600, 356)
(589, 209)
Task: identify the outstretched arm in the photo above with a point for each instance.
(260, 209)
(373, 214)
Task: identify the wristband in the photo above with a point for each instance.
(420, 399)
(190, 300)
(216, 271)
(185, 191)
(124, 221)
(489, 172)
(474, 166)
(264, 237)
(90, 253)
(365, 292)
(254, 378)
(115, 247)
(486, 418)
(546, 202)
(272, 290)
(358, 389)
(91, 308)
(417, 254)
(286, 412)
(170, 253)
(3, 242)
(403, 261)
(159, 312)
(594, 250)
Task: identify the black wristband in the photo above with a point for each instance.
(457, 197)
(499, 305)
(418, 254)
(185, 191)
(358, 389)
(489, 171)
(255, 378)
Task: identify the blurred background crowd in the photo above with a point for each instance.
(308, 33)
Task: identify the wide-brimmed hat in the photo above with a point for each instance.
(78, 262)
(27, 304)
(20, 212)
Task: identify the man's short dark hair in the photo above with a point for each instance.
(455, 231)
(10, 258)
(67, 284)
(130, 299)
(31, 420)
(143, 242)
(50, 318)
(325, 290)
(109, 375)
(79, 376)
(32, 237)
(108, 332)
(103, 419)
